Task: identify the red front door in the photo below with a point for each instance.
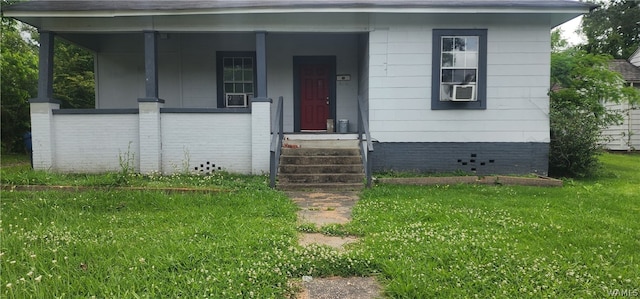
(314, 100)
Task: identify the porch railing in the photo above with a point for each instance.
(366, 145)
(277, 134)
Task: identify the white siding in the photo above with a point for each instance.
(95, 143)
(625, 136)
(192, 139)
(635, 58)
(518, 62)
(634, 127)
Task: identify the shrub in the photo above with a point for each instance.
(574, 145)
(581, 84)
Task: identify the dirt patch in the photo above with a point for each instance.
(340, 287)
(332, 241)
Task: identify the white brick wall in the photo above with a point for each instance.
(150, 137)
(42, 135)
(94, 143)
(193, 139)
(260, 136)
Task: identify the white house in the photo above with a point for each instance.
(446, 85)
(626, 135)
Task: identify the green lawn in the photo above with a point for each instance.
(582, 240)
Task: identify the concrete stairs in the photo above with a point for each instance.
(321, 164)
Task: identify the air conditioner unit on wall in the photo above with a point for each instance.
(464, 93)
(236, 100)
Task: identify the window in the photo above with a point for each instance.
(235, 78)
(459, 69)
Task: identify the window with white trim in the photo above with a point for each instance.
(236, 78)
(459, 69)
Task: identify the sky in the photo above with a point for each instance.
(569, 31)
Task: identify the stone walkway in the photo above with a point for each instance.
(323, 208)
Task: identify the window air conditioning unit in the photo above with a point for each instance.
(236, 100)
(464, 93)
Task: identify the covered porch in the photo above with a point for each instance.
(170, 102)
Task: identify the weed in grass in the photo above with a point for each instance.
(127, 166)
(308, 228)
(334, 229)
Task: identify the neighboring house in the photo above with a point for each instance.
(635, 58)
(625, 136)
(184, 85)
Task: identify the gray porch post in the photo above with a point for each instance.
(42, 131)
(261, 111)
(261, 63)
(149, 107)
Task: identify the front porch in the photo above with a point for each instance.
(183, 119)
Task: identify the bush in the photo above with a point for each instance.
(574, 145)
(581, 84)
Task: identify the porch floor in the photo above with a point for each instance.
(320, 136)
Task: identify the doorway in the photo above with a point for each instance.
(314, 92)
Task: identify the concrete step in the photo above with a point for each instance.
(320, 164)
(288, 143)
(319, 160)
(320, 152)
(321, 187)
(324, 168)
(312, 178)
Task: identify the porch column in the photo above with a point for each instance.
(42, 130)
(261, 64)
(260, 135)
(149, 110)
(261, 112)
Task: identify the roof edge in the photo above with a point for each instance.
(76, 7)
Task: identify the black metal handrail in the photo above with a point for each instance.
(363, 129)
(277, 134)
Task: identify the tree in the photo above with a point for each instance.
(581, 84)
(18, 84)
(613, 29)
(73, 81)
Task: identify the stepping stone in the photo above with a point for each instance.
(324, 208)
(340, 288)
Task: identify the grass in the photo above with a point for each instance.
(462, 241)
(126, 244)
(455, 241)
(16, 171)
